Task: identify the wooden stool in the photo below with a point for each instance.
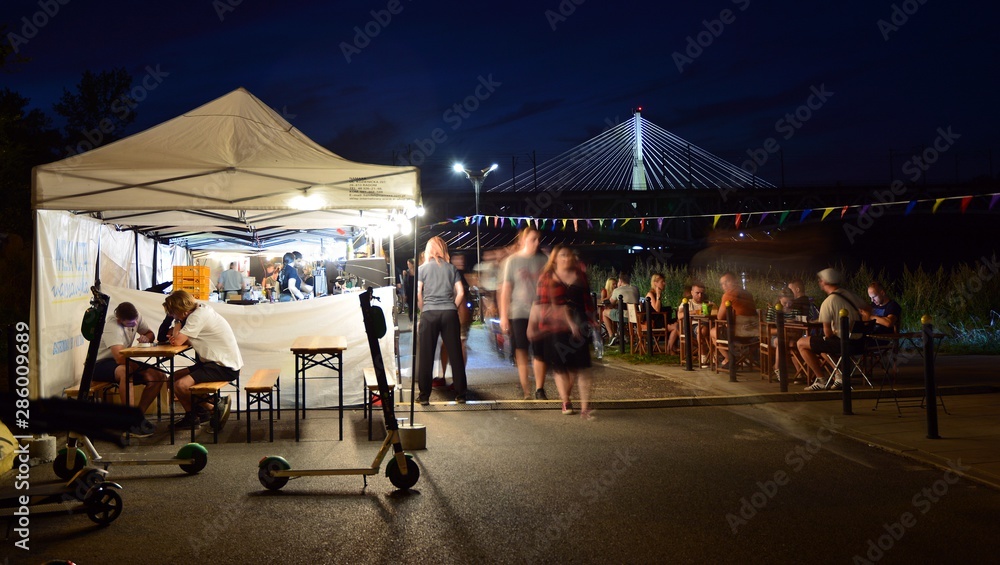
(372, 393)
(261, 389)
(207, 392)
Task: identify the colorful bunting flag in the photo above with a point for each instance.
(936, 204)
(738, 217)
(805, 213)
(783, 216)
(659, 224)
(864, 209)
(763, 216)
(716, 222)
(910, 207)
(994, 200)
(826, 212)
(843, 211)
(965, 203)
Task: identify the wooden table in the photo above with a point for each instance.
(319, 351)
(704, 345)
(163, 356)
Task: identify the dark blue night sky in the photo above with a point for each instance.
(722, 74)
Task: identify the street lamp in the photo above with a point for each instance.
(477, 178)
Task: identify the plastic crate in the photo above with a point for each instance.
(192, 271)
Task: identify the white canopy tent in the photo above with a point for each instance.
(232, 173)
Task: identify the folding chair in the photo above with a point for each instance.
(638, 326)
(742, 347)
(767, 353)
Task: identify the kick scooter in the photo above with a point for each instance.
(274, 472)
(191, 458)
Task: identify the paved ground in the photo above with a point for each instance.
(661, 476)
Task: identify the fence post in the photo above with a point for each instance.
(930, 387)
(731, 331)
(686, 309)
(779, 322)
(622, 322)
(845, 359)
(648, 303)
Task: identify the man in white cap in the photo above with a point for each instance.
(810, 347)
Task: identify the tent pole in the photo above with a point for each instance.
(138, 285)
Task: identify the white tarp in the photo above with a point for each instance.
(231, 162)
(66, 250)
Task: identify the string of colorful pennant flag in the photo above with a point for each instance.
(740, 219)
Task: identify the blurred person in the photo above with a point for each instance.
(518, 286)
(121, 329)
(439, 294)
(217, 357)
(624, 293)
(406, 281)
(838, 298)
(300, 267)
(560, 315)
(886, 312)
(231, 283)
(787, 300)
(657, 283)
(744, 307)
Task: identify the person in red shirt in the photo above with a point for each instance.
(742, 304)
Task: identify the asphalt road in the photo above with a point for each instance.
(684, 485)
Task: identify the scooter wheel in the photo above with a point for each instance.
(198, 455)
(104, 506)
(396, 476)
(63, 471)
(269, 464)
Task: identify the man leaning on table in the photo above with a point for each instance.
(217, 357)
(886, 312)
(811, 346)
(120, 332)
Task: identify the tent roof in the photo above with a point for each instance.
(230, 168)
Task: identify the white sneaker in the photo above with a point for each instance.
(837, 385)
(818, 385)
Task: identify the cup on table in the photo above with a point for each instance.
(704, 309)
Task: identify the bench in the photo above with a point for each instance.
(263, 384)
(372, 394)
(207, 392)
(102, 388)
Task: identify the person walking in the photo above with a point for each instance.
(517, 292)
(439, 293)
(560, 315)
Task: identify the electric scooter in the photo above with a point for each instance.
(191, 458)
(274, 472)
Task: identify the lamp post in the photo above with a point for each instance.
(477, 178)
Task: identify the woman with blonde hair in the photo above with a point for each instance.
(609, 287)
(439, 294)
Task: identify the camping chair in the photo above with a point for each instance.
(856, 360)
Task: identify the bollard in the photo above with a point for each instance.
(622, 321)
(845, 359)
(731, 332)
(779, 321)
(686, 309)
(648, 304)
(930, 387)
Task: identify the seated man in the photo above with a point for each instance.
(810, 347)
(886, 312)
(787, 300)
(624, 293)
(804, 304)
(697, 302)
(120, 332)
(218, 356)
(744, 307)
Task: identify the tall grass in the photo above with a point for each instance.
(959, 300)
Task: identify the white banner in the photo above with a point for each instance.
(65, 255)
